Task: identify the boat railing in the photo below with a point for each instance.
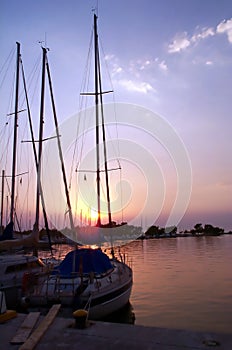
(124, 259)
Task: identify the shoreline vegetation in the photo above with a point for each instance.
(199, 230)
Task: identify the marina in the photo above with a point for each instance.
(83, 260)
(179, 283)
(86, 278)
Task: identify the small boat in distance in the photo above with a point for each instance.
(87, 278)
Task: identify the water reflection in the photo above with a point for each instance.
(180, 283)
(183, 283)
(125, 315)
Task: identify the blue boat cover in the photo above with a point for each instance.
(84, 261)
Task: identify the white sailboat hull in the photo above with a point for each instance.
(101, 296)
(107, 308)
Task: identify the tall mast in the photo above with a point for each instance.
(15, 134)
(99, 92)
(36, 159)
(40, 139)
(99, 108)
(97, 119)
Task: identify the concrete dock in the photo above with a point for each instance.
(62, 334)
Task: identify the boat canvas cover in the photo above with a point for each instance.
(84, 261)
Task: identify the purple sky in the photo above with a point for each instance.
(171, 57)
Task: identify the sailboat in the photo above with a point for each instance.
(15, 264)
(88, 278)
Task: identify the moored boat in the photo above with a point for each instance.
(86, 278)
(13, 268)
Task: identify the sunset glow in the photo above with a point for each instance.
(170, 68)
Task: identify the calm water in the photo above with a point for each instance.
(182, 282)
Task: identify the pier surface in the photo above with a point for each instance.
(62, 334)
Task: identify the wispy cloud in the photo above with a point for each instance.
(149, 65)
(145, 64)
(202, 61)
(163, 66)
(225, 27)
(202, 34)
(135, 75)
(179, 43)
(128, 76)
(136, 86)
(109, 57)
(182, 41)
(117, 70)
(115, 66)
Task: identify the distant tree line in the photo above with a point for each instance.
(207, 230)
(159, 232)
(198, 230)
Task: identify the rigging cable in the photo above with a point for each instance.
(82, 109)
(82, 118)
(117, 152)
(8, 62)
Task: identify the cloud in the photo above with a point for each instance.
(134, 76)
(180, 42)
(163, 66)
(202, 61)
(113, 61)
(135, 67)
(136, 86)
(116, 69)
(225, 27)
(203, 34)
(145, 64)
(109, 57)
